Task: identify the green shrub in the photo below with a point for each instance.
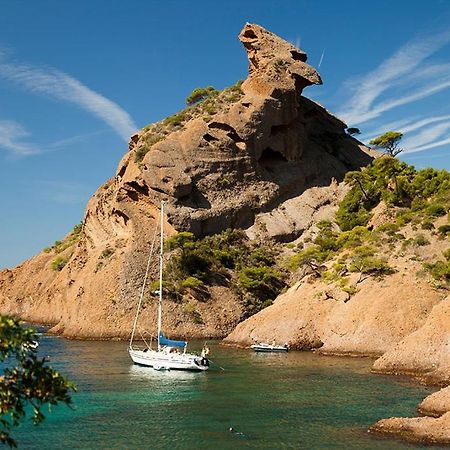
(199, 94)
(175, 120)
(427, 225)
(439, 270)
(421, 240)
(58, 263)
(444, 229)
(405, 216)
(312, 256)
(106, 253)
(371, 265)
(192, 283)
(389, 228)
(436, 210)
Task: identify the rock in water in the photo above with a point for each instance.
(258, 156)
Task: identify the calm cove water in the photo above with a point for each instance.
(296, 400)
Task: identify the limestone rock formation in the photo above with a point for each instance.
(426, 352)
(311, 315)
(259, 156)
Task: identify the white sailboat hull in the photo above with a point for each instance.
(165, 361)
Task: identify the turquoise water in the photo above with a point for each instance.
(296, 400)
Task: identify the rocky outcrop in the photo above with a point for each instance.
(427, 430)
(424, 353)
(258, 156)
(314, 315)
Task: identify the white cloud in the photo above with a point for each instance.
(396, 125)
(428, 136)
(56, 84)
(402, 69)
(435, 144)
(12, 136)
(393, 103)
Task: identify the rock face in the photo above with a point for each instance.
(260, 156)
(426, 352)
(312, 314)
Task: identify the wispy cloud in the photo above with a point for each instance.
(431, 145)
(79, 138)
(430, 136)
(13, 137)
(397, 71)
(16, 139)
(56, 84)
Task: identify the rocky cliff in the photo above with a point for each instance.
(257, 156)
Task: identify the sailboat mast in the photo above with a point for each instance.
(160, 272)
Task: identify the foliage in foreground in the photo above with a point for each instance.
(27, 381)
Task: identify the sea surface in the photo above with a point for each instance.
(297, 400)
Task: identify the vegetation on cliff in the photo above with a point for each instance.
(229, 259)
(413, 199)
(202, 103)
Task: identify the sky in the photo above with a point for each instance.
(78, 78)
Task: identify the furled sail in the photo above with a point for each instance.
(164, 341)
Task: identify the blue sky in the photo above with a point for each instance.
(77, 78)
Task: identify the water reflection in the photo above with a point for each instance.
(148, 373)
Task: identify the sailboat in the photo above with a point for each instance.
(169, 354)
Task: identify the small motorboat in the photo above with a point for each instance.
(264, 347)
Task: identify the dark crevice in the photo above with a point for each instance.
(138, 188)
(121, 214)
(156, 189)
(297, 56)
(122, 171)
(231, 132)
(133, 195)
(250, 34)
(271, 158)
(209, 138)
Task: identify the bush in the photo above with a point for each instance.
(444, 229)
(421, 240)
(427, 225)
(199, 94)
(58, 263)
(436, 210)
(440, 270)
(192, 283)
(175, 120)
(106, 253)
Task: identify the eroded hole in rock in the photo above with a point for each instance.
(300, 82)
(133, 195)
(298, 56)
(250, 34)
(138, 188)
(230, 131)
(209, 138)
(122, 171)
(271, 158)
(122, 215)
